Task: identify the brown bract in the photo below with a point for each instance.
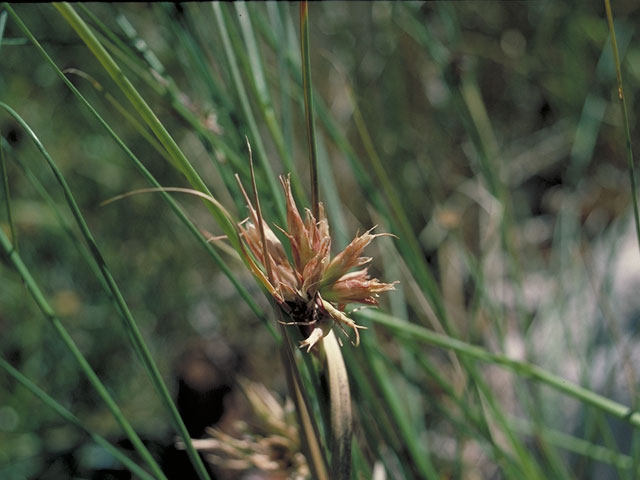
(316, 288)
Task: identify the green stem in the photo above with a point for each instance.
(308, 104)
(632, 174)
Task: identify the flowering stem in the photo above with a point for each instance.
(308, 104)
(309, 435)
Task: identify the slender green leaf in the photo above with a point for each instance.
(71, 418)
(49, 314)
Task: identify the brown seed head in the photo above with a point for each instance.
(315, 290)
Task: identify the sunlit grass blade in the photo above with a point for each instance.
(164, 84)
(71, 418)
(117, 106)
(200, 58)
(218, 144)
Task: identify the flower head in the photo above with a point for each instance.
(269, 442)
(316, 288)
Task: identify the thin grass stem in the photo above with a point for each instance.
(308, 105)
(264, 98)
(623, 103)
(249, 117)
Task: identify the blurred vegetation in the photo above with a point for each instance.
(493, 128)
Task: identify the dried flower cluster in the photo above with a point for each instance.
(269, 443)
(315, 290)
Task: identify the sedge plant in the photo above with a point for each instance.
(450, 377)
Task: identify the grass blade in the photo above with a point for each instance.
(71, 418)
(523, 369)
(623, 103)
(274, 190)
(180, 161)
(264, 99)
(130, 324)
(7, 195)
(49, 314)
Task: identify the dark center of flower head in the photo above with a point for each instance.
(301, 312)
